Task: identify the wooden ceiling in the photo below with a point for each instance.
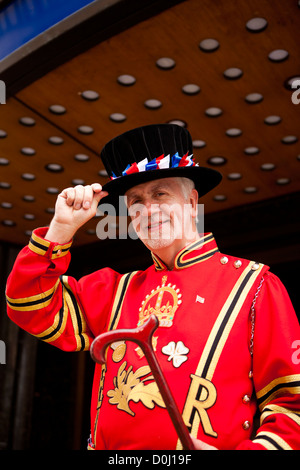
(65, 117)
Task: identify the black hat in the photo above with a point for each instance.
(152, 152)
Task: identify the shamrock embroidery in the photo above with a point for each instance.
(176, 352)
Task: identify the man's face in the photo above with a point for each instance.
(161, 213)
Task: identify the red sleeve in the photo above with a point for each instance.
(54, 307)
(276, 369)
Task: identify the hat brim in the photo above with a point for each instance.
(205, 179)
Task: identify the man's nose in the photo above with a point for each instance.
(149, 208)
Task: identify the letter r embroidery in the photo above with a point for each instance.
(200, 387)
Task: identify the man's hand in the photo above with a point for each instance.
(200, 445)
(73, 208)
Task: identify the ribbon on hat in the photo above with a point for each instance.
(157, 164)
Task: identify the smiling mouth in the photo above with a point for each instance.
(156, 225)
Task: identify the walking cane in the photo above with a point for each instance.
(143, 337)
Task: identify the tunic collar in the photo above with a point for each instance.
(196, 252)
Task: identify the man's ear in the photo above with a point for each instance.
(193, 200)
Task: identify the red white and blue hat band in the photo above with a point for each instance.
(158, 163)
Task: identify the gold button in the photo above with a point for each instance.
(224, 260)
(255, 266)
(246, 399)
(237, 264)
(250, 374)
(58, 252)
(246, 425)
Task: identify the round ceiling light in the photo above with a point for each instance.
(217, 160)
(272, 120)
(256, 25)
(165, 63)
(233, 132)
(233, 73)
(117, 117)
(153, 104)
(209, 45)
(57, 109)
(126, 80)
(254, 98)
(278, 55)
(54, 167)
(213, 112)
(191, 89)
(90, 95)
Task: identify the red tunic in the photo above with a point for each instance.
(218, 372)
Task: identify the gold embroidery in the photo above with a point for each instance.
(163, 302)
(129, 386)
(154, 345)
(119, 351)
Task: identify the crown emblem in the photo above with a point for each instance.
(163, 302)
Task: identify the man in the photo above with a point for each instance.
(226, 325)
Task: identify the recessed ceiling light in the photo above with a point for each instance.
(57, 109)
(199, 144)
(4, 161)
(90, 95)
(153, 104)
(178, 122)
(251, 150)
(28, 151)
(165, 63)
(220, 197)
(191, 89)
(278, 55)
(233, 132)
(272, 120)
(289, 139)
(87, 130)
(234, 176)
(233, 73)
(3, 134)
(78, 181)
(52, 190)
(28, 198)
(254, 98)
(5, 185)
(283, 181)
(54, 167)
(289, 82)
(126, 80)
(9, 223)
(55, 140)
(217, 160)
(29, 216)
(81, 157)
(267, 167)
(213, 112)
(6, 205)
(256, 25)
(27, 121)
(117, 117)
(209, 45)
(250, 189)
(28, 176)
